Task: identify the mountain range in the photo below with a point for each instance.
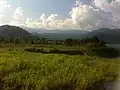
(13, 31)
(44, 31)
(106, 34)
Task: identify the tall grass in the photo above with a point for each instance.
(36, 71)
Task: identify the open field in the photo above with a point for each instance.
(20, 70)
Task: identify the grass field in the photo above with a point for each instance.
(20, 70)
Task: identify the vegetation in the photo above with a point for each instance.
(110, 36)
(34, 63)
(103, 52)
(13, 31)
(88, 47)
(105, 34)
(54, 50)
(21, 70)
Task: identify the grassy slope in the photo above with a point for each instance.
(27, 71)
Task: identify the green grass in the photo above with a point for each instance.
(21, 70)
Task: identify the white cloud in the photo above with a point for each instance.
(112, 6)
(78, 3)
(83, 16)
(88, 17)
(47, 21)
(5, 12)
(99, 14)
(28, 20)
(18, 17)
(102, 4)
(8, 15)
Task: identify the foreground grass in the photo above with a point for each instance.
(36, 71)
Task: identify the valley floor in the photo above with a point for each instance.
(20, 70)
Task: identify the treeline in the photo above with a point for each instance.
(36, 40)
(86, 41)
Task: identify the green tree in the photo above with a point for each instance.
(69, 42)
(43, 40)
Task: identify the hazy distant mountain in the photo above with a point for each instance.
(13, 31)
(108, 35)
(44, 31)
(56, 34)
(105, 31)
(60, 35)
(35, 30)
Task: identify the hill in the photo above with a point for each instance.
(111, 36)
(53, 31)
(13, 31)
(61, 36)
(56, 34)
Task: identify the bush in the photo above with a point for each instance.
(55, 50)
(30, 49)
(103, 52)
(90, 51)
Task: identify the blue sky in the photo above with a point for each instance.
(37, 7)
(61, 14)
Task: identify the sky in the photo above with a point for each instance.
(61, 14)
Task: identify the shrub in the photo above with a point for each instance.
(30, 49)
(103, 52)
(55, 50)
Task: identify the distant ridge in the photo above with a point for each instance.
(111, 36)
(13, 31)
(44, 31)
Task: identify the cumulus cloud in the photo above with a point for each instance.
(102, 4)
(111, 6)
(8, 15)
(87, 17)
(18, 17)
(46, 21)
(97, 14)
(5, 12)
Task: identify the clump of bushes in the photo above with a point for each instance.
(34, 50)
(90, 51)
(54, 50)
(103, 52)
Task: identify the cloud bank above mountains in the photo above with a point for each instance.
(96, 14)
